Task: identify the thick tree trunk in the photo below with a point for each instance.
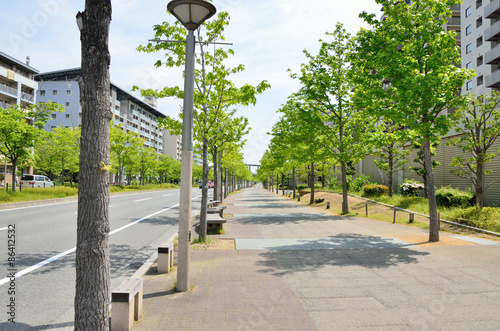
(92, 248)
(204, 193)
(431, 195)
(345, 201)
(311, 200)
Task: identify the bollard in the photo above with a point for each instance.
(412, 218)
(328, 205)
(394, 219)
(366, 209)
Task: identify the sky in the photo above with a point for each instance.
(268, 38)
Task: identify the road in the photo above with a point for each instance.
(45, 240)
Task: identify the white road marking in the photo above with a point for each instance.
(166, 195)
(3, 229)
(72, 250)
(142, 200)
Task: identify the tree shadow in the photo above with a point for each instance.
(277, 219)
(344, 250)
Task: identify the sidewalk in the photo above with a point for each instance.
(296, 268)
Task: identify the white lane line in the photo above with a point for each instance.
(166, 195)
(47, 205)
(3, 229)
(72, 250)
(142, 200)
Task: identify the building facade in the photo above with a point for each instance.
(134, 114)
(17, 87)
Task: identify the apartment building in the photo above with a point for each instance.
(17, 87)
(135, 115)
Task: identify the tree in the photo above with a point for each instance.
(388, 142)
(123, 147)
(215, 94)
(169, 169)
(92, 247)
(326, 89)
(147, 161)
(406, 73)
(58, 152)
(479, 128)
(19, 131)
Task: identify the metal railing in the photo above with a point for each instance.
(8, 89)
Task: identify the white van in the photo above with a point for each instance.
(35, 181)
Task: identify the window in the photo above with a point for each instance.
(67, 115)
(68, 104)
(479, 41)
(42, 93)
(68, 92)
(468, 48)
(469, 65)
(54, 92)
(469, 85)
(479, 61)
(479, 3)
(468, 11)
(480, 80)
(479, 22)
(468, 30)
(54, 115)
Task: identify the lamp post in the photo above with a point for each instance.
(191, 13)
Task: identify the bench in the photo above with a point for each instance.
(126, 304)
(214, 203)
(216, 210)
(165, 257)
(215, 221)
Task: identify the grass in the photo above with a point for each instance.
(487, 218)
(31, 194)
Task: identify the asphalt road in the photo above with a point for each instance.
(44, 248)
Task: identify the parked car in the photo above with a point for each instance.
(210, 185)
(35, 181)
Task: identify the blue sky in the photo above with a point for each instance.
(268, 37)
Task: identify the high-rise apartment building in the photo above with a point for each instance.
(135, 115)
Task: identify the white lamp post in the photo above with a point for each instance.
(191, 13)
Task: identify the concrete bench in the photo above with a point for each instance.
(214, 220)
(216, 210)
(127, 304)
(214, 203)
(165, 257)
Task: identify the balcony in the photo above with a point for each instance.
(4, 104)
(492, 56)
(493, 80)
(9, 90)
(492, 10)
(493, 32)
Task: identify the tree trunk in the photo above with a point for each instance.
(431, 195)
(219, 180)
(216, 176)
(293, 182)
(311, 200)
(282, 184)
(14, 174)
(479, 184)
(92, 248)
(345, 201)
(204, 193)
(389, 179)
(226, 180)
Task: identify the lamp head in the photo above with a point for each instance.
(191, 13)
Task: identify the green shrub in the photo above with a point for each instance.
(451, 197)
(410, 187)
(5, 196)
(317, 185)
(358, 183)
(374, 189)
(301, 186)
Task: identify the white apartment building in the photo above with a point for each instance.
(17, 87)
(135, 115)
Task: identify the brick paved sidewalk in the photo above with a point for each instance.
(297, 268)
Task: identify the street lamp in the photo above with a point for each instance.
(191, 13)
